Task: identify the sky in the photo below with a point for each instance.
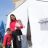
(6, 6)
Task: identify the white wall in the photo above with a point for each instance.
(37, 11)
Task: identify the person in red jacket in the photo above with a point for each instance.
(7, 39)
(14, 26)
(14, 23)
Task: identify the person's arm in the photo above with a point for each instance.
(19, 24)
(4, 41)
(3, 46)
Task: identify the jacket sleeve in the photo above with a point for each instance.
(5, 40)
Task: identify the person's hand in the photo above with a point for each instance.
(3, 47)
(19, 24)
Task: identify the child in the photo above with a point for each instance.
(7, 39)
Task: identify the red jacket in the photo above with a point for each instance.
(7, 39)
(13, 25)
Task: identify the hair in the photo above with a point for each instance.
(12, 15)
(8, 29)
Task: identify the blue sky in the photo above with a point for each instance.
(6, 6)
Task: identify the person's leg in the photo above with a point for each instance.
(8, 46)
(18, 43)
(14, 40)
(18, 39)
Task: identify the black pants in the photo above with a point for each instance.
(16, 42)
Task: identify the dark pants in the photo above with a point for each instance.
(8, 46)
(16, 42)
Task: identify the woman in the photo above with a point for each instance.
(15, 26)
